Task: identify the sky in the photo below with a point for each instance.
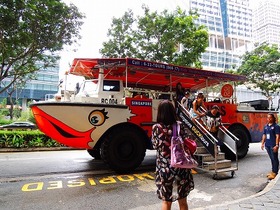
(99, 14)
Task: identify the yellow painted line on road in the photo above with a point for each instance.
(71, 183)
(60, 184)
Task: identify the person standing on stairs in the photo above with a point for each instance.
(270, 141)
(213, 121)
(179, 94)
(198, 103)
(186, 101)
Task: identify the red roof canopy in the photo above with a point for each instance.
(147, 74)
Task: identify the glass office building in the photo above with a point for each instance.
(46, 82)
(229, 24)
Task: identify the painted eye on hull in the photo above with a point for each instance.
(98, 117)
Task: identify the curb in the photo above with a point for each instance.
(37, 149)
(268, 187)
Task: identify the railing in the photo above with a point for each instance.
(199, 130)
(228, 138)
(205, 137)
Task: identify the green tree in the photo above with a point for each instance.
(3, 108)
(17, 87)
(262, 68)
(121, 38)
(166, 37)
(32, 32)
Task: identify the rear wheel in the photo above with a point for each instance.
(242, 144)
(124, 149)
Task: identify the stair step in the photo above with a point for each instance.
(208, 157)
(220, 164)
(199, 144)
(225, 169)
(201, 150)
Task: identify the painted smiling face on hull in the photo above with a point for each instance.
(77, 126)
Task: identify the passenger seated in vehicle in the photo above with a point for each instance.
(226, 101)
(165, 95)
(140, 95)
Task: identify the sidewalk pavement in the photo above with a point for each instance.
(267, 199)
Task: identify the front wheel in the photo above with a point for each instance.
(123, 149)
(95, 153)
(242, 144)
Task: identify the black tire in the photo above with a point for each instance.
(95, 153)
(124, 149)
(242, 144)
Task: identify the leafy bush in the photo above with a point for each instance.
(4, 121)
(4, 112)
(26, 139)
(27, 115)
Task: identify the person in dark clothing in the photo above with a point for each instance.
(270, 141)
(180, 93)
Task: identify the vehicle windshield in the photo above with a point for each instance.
(89, 86)
(111, 85)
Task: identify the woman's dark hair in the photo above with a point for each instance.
(200, 95)
(166, 113)
(177, 85)
(273, 117)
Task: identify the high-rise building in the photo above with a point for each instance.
(229, 24)
(266, 22)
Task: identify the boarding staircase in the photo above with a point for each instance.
(209, 157)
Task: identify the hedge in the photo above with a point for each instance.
(26, 139)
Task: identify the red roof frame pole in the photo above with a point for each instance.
(206, 88)
(170, 82)
(234, 92)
